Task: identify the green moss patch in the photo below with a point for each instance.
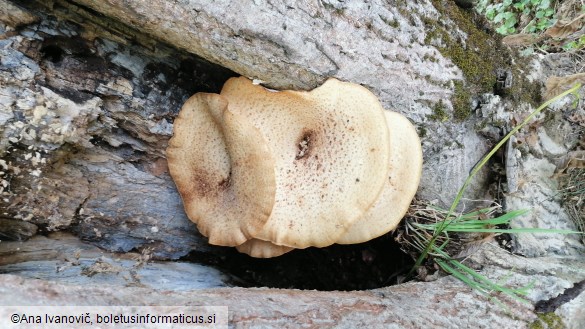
(478, 56)
(439, 112)
(548, 321)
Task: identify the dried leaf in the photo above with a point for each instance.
(574, 159)
(578, 161)
(556, 85)
(577, 118)
(520, 40)
(564, 28)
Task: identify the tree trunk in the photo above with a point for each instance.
(88, 94)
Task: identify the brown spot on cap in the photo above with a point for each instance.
(330, 131)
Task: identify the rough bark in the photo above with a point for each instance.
(95, 99)
(75, 273)
(86, 143)
(407, 306)
(380, 45)
(85, 122)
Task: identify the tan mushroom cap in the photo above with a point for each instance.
(223, 169)
(331, 155)
(262, 249)
(405, 164)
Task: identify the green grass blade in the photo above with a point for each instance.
(511, 230)
(480, 165)
(462, 277)
(485, 159)
(477, 281)
(479, 223)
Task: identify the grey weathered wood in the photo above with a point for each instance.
(74, 273)
(16, 230)
(93, 87)
(407, 306)
(381, 45)
(100, 96)
(85, 117)
(62, 257)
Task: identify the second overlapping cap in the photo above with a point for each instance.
(271, 171)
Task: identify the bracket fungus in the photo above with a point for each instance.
(269, 172)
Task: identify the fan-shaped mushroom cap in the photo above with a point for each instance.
(262, 249)
(405, 165)
(331, 154)
(223, 169)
